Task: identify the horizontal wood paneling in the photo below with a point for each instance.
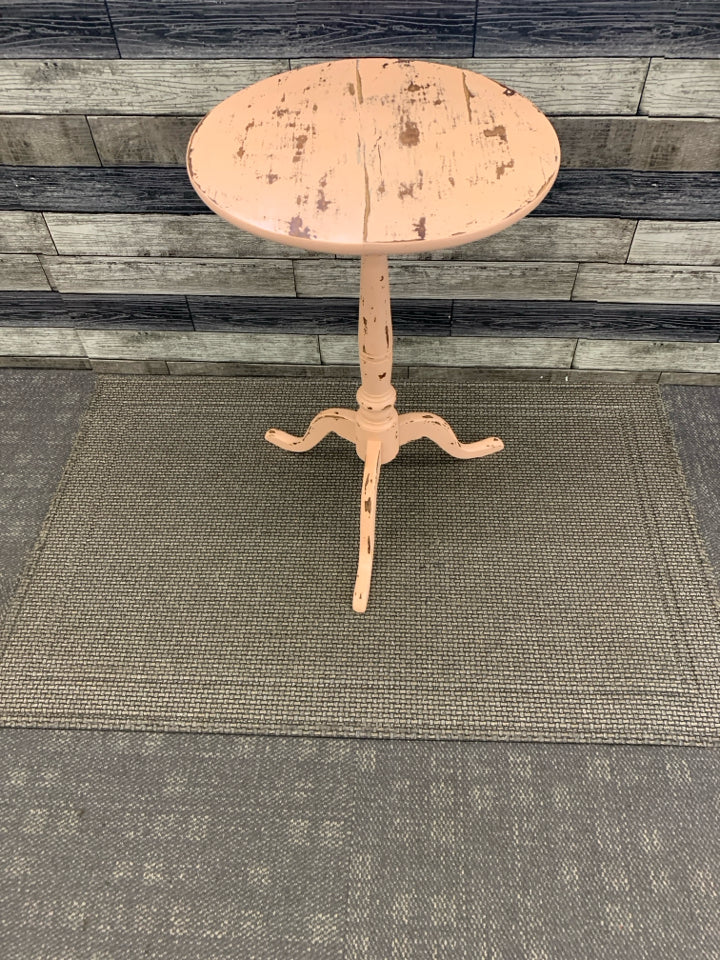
(266, 28)
(563, 27)
(126, 86)
(158, 141)
(56, 28)
(624, 194)
(22, 231)
(431, 280)
(546, 238)
(27, 342)
(676, 242)
(501, 352)
(161, 235)
(639, 143)
(330, 315)
(41, 140)
(585, 319)
(651, 284)
(21, 271)
(641, 355)
(248, 347)
(251, 278)
(94, 310)
(633, 194)
(683, 88)
(590, 85)
(635, 143)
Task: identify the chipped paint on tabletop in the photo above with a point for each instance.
(374, 155)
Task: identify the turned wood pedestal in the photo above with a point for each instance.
(372, 157)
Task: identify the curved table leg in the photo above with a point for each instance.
(335, 420)
(413, 426)
(368, 502)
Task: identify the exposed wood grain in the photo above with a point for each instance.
(267, 28)
(56, 28)
(45, 363)
(22, 231)
(593, 85)
(539, 28)
(158, 141)
(51, 140)
(688, 379)
(680, 242)
(136, 367)
(252, 278)
(246, 347)
(39, 342)
(126, 86)
(422, 317)
(431, 280)
(644, 321)
(639, 143)
(53, 309)
(160, 235)
(583, 193)
(21, 271)
(650, 284)
(647, 355)
(682, 88)
(465, 351)
(547, 238)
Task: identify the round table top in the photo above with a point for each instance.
(374, 155)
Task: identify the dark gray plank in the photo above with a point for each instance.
(639, 143)
(328, 315)
(272, 28)
(51, 140)
(627, 194)
(56, 28)
(633, 194)
(156, 141)
(558, 318)
(91, 311)
(544, 27)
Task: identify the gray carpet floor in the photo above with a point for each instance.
(116, 845)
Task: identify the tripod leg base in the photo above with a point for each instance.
(368, 503)
(413, 426)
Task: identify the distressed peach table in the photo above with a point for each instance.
(372, 157)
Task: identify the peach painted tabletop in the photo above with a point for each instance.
(374, 156)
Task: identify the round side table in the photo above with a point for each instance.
(372, 157)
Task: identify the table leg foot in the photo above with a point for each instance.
(413, 426)
(335, 420)
(368, 503)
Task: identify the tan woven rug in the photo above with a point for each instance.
(190, 576)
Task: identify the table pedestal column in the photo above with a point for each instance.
(375, 427)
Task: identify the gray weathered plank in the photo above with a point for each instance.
(161, 235)
(250, 278)
(159, 141)
(46, 139)
(647, 355)
(247, 347)
(639, 143)
(56, 28)
(465, 351)
(40, 342)
(682, 88)
(439, 280)
(22, 231)
(126, 86)
(132, 367)
(679, 242)
(546, 238)
(22, 271)
(589, 85)
(648, 284)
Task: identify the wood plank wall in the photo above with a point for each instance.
(109, 259)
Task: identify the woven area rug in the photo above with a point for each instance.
(191, 576)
